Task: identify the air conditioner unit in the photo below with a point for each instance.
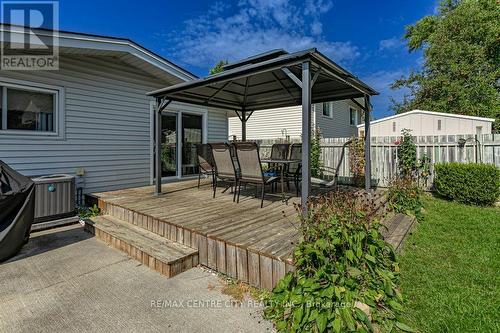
(54, 197)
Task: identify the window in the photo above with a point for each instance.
(354, 117)
(28, 109)
(328, 109)
(479, 131)
(439, 124)
(394, 126)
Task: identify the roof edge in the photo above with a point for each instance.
(442, 114)
(157, 60)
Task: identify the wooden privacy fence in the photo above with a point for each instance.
(384, 153)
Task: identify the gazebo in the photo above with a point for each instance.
(271, 80)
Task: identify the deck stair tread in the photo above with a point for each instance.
(397, 227)
(156, 246)
(252, 244)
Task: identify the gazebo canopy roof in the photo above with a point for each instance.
(268, 80)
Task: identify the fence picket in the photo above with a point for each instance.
(384, 157)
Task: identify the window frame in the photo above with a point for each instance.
(356, 116)
(330, 114)
(59, 110)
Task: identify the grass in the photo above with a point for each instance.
(451, 268)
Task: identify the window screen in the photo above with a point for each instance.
(327, 109)
(30, 110)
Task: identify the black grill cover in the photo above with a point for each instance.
(17, 210)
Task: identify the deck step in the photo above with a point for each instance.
(398, 226)
(164, 256)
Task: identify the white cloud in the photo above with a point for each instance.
(390, 44)
(255, 26)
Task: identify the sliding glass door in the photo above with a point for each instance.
(168, 145)
(180, 134)
(192, 134)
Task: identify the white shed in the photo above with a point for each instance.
(422, 122)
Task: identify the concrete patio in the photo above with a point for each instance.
(66, 280)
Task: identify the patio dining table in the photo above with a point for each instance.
(282, 163)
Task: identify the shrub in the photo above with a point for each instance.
(403, 197)
(469, 183)
(407, 154)
(346, 275)
(316, 153)
(357, 160)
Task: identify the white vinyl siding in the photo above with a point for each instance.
(428, 124)
(277, 123)
(270, 124)
(107, 124)
(338, 126)
(217, 125)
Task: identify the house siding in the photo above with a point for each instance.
(337, 126)
(107, 128)
(217, 125)
(269, 124)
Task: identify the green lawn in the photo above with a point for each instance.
(451, 269)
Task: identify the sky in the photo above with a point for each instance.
(365, 37)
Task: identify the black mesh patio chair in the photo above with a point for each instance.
(279, 151)
(225, 168)
(247, 154)
(294, 170)
(205, 162)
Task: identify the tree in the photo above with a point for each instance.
(218, 67)
(461, 69)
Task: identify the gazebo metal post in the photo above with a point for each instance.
(367, 144)
(243, 125)
(161, 104)
(306, 136)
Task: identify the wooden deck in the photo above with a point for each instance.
(242, 240)
(246, 242)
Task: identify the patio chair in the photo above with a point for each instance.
(225, 169)
(294, 170)
(205, 162)
(247, 154)
(279, 151)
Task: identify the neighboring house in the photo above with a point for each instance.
(92, 116)
(332, 119)
(429, 123)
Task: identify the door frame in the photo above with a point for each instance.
(178, 109)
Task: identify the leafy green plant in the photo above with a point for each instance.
(88, 212)
(424, 167)
(357, 160)
(404, 190)
(407, 154)
(469, 183)
(346, 276)
(218, 67)
(316, 153)
(403, 197)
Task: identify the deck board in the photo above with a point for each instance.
(187, 211)
(241, 239)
